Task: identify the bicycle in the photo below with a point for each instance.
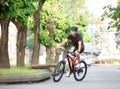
(79, 73)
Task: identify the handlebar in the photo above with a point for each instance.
(72, 53)
(62, 49)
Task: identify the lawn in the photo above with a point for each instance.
(20, 71)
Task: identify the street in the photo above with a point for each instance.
(98, 77)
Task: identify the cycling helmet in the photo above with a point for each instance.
(74, 28)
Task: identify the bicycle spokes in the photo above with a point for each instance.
(58, 72)
(80, 71)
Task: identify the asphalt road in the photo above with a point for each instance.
(98, 77)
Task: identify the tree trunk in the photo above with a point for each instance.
(48, 62)
(56, 57)
(50, 58)
(4, 57)
(21, 44)
(36, 15)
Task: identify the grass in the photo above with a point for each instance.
(19, 71)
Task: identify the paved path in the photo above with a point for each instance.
(98, 77)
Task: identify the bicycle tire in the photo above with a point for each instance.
(82, 70)
(58, 71)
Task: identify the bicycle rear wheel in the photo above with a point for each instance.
(58, 71)
(80, 72)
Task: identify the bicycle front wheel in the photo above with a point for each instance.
(80, 71)
(58, 71)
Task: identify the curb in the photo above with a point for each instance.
(103, 65)
(25, 78)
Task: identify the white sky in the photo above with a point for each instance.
(95, 6)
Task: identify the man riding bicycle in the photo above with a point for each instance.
(77, 42)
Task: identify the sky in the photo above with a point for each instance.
(95, 6)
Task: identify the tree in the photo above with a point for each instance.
(53, 22)
(21, 43)
(54, 26)
(4, 21)
(18, 13)
(4, 57)
(113, 13)
(25, 9)
(36, 31)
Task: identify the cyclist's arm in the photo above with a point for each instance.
(79, 45)
(62, 43)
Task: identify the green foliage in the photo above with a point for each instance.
(60, 35)
(30, 24)
(18, 9)
(113, 13)
(44, 38)
(82, 23)
(52, 11)
(86, 37)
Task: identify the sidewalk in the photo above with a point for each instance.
(25, 78)
(105, 64)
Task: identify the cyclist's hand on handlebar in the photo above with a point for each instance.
(76, 52)
(58, 48)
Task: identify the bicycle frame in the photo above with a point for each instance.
(71, 61)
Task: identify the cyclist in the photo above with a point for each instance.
(77, 42)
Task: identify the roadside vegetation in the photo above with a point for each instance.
(19, 71)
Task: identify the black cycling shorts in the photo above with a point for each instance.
(81, 51)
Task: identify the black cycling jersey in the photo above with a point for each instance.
(75, 40)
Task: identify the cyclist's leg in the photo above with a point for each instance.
(78, 57)
(70, 63)
(68, 71)
(78, 54)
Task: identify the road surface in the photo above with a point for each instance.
(98, 77)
